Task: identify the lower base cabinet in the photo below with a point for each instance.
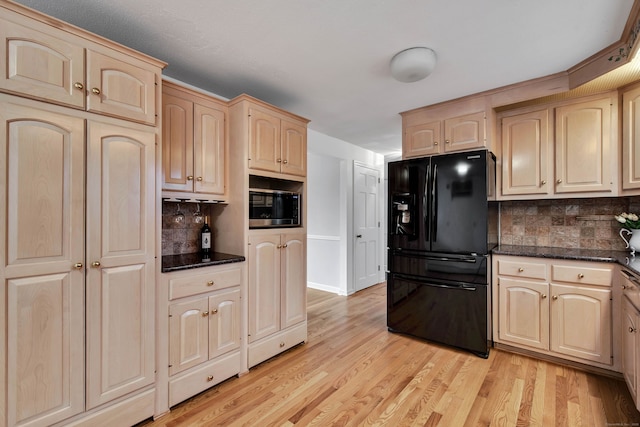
(204, 329)
(277, 293)
(556, 307)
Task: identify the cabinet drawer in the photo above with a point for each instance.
(268, 347)
(200, 283)
(530, 270)
(201, 378)
(581, 275)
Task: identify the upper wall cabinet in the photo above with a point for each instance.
(631, 138)
(194, 144)
(277, 140)
(455, 126)
(560, 150)
(43, 62)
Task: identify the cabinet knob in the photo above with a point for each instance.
(580, 276)
(78, 85)
(214, 311)
(190, 178)
(624, 287)
(205, 313)
(77, 265)
(279, 160)
(210, 283)
(543, 182)
(559, 181)
(95, 264)
(555, 297)
(95, 91)
(210, 378)
(435, 143)
(279, 246)
(199, 179)
(285, 245)
(632, 329)
(446, 141)
(543, 296)
(521, 269)
(285, 161)
(282, 344)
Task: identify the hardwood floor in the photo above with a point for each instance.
(353, 372)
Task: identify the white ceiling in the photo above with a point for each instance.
(327, 60)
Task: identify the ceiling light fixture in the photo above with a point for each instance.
(413, 64)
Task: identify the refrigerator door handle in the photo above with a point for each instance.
(425, 203)
(434, 204)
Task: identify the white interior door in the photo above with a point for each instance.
(366, 225)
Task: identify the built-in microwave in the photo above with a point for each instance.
(274, 208)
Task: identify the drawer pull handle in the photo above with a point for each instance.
(580, 276)
(544, 296)
(521, 269)
(282, 344)
(210, 283)
(205, 313)
(210, 378)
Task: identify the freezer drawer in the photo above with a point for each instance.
(450, 313)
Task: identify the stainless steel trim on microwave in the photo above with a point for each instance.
(261, 199)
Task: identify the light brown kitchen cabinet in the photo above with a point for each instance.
(444, 136)
(526, 153)
(631, 138)
(560, 149)
(194, 142)
(77, 328)
(276, 140)
(277, 293)
(556, 307)
(47, 63)
(630, 344)
(87, 290)
(584, 146)
(204, 328)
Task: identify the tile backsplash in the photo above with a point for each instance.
(183, 237)
(565, 223)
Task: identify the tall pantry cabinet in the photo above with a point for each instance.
(77, 183)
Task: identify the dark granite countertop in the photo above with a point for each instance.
(597, 255)
(188, 261)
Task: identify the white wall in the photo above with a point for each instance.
(330, 236)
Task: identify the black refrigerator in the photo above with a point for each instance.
(442, 225)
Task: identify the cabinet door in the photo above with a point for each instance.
(264, 141)
(42, 225)
(581, 322)
(35, 61)
(525, 154)
(464, 132)
(294, 280)
(294, 148)
(631, 139)
(523, 313)
(120, 252)
(422, 140)
(583, 147)
(224, 322)
(177, 143)
(188, 334)
(630, 347)
(209, 150)
(264, 285)
(120, 89)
